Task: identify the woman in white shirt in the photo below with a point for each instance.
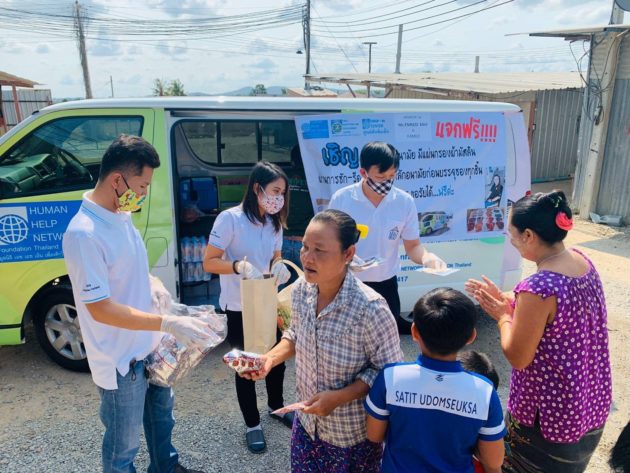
(243, 243)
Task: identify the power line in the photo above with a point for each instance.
(432, 24)
(382, 18)
(420, 19)
(342, 50)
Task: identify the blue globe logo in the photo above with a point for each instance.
(13, 229)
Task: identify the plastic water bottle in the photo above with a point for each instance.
(189, 272)
(183, 247)
(198, 272)
(198, 249)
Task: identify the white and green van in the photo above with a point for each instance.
(206, 146)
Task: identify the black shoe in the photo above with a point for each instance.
(256, 441)
(181, 469)
(286, 419)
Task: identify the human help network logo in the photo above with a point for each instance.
(13, 225)
(34, 231)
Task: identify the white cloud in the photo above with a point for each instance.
(104, 48)
(176, 52)
(178, 8)
(266, 66)
(134, 50)
(68, 80)
(42, 49)
(343, 5)
(585, 15)
(12, 47)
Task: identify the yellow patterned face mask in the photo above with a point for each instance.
(129, 201)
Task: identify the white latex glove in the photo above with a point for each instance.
(357, 264)
(161, 298)
(187, 330)
(431, 260)
(280, 271)
(248, 270)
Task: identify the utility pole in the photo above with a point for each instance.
(79, 31)
(306, 23)
(369, 43)
(111, 84)
(399, 50)
(476, 64)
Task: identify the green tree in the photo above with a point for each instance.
(159, 88)
(163, 88)
(259, 89)
(175, 88)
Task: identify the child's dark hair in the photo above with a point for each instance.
(538, 212)
(620, 454)
(346, 227)
(380, 154)
(262, 174)
(128, 153)
(479, 363)
(445, 319)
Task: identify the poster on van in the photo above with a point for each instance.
(34, 230)
(452, 164)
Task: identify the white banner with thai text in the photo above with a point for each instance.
(452, 164)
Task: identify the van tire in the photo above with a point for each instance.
(55, 320)
(404, 324)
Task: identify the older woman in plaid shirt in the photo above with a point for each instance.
(342, 333)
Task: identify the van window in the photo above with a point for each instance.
(243, 142)
(238, 143)
(202, 138)
(278, 138)
(62, 155)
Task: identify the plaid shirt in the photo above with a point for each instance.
(352, 338)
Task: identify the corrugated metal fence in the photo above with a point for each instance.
(554, 146)
(614, 188)
(30, 100)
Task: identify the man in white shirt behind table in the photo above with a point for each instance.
(109, 271)
(391, 216)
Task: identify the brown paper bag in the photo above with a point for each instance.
(284, 299)
(259, 303)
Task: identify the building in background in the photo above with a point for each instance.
(20, 100)
(603, 165)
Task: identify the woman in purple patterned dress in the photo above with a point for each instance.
(553, 332)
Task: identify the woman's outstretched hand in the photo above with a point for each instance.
(489, 297)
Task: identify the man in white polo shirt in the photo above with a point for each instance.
(391, 216)
(109, 271)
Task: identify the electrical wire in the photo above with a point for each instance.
(432, 24)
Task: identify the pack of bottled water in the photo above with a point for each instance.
(192, 251)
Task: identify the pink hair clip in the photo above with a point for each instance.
(563, 221)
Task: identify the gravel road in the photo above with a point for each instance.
(49, 416)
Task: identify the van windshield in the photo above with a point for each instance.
(61, 155)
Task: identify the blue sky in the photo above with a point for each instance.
(223, 63)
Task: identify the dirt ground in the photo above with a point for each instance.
(41, 403)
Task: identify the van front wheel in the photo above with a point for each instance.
(58, 331)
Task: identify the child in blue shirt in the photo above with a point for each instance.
(432, 414)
